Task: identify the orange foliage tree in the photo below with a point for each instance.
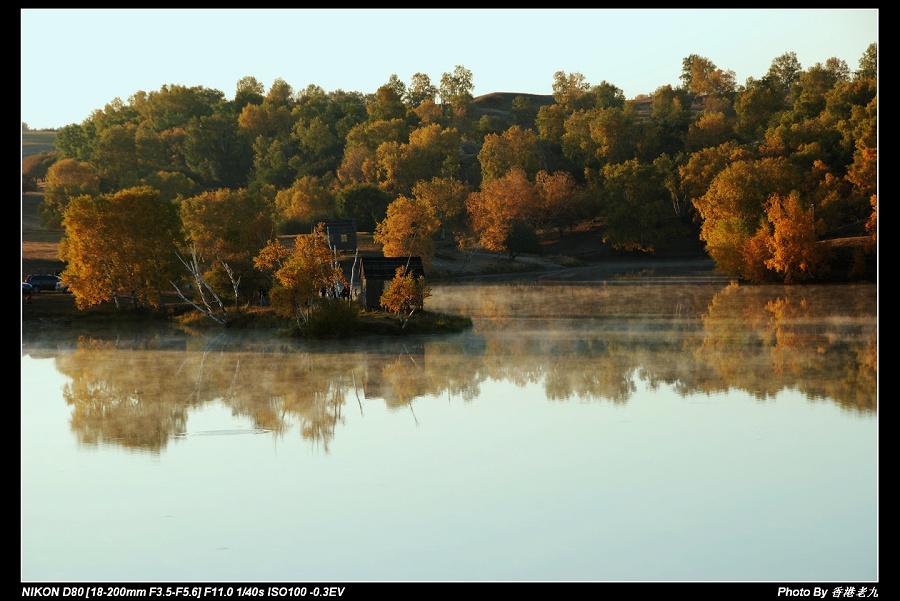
(408, 229)
(795, 252)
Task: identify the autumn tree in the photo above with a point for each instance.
(35, 167)
(795, 253)
(432, 151)
(308, 200)
(445, 197)
(734, 206)
(66, 179)
(700, 76)
(301, 273)
(500, 203)
(120, 242)
(515, 147)
(558, 198)
(405, 294)
(408, 229)
(224, 230)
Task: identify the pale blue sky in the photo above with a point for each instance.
(77, 60)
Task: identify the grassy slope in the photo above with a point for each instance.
(36, 142)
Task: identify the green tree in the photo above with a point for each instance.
(432, 151)
(757, 106)
(216, 155)
(734, 205)
(514, 148)
(868, 63)
(365, 203)
(387, 103)
(636, 206)
(522, 239)
(523, 112)
(420, 90)
(248, 90)
(784, 73)
(456, 87)
(572, 92)
(608, 96)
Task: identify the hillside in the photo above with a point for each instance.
(37, 141)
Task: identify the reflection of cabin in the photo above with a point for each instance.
(375, 274)
(341, 234)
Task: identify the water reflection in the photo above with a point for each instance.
(586, 343)
(606, 429)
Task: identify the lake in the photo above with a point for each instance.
(592, 426)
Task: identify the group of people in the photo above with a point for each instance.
(332, 292)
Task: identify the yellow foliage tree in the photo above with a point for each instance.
(66, 179)
(124, 241)
(307, 200)
(405, 295)
(408, 229)
(301, 273)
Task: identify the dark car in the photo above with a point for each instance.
(26, 289)
(45, 281)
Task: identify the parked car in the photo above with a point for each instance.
(46, 281)
(27, 289)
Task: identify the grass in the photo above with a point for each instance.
(38, 141)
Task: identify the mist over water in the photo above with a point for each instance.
(640, 427)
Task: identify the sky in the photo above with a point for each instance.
(75, 61)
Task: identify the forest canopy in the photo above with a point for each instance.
(758, 170)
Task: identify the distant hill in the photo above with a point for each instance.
(38, 141)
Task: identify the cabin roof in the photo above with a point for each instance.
(384, 268)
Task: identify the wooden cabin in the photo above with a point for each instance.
(375, 274)
(341, 234)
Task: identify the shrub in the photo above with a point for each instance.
(333, 318)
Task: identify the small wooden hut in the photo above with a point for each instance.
(375, 274)
(341, 234)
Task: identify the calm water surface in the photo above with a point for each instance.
(592, 427)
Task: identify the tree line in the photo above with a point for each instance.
(183, 176)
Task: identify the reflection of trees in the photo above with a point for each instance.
(697, 339)
(138, 396)
(819, 340)
(591, 344)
